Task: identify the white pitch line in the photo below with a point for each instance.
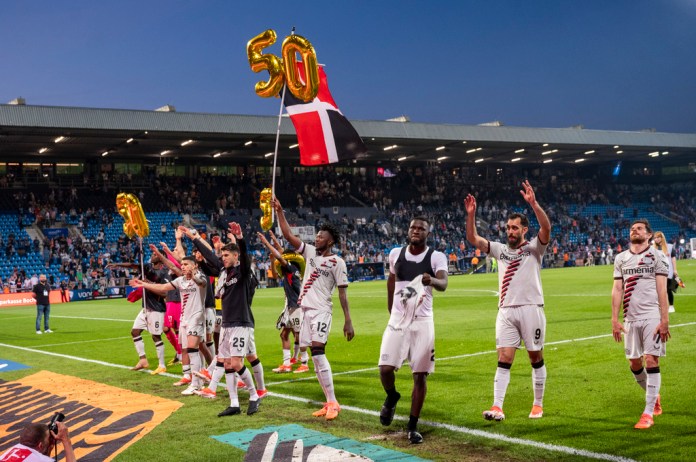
(474, 432)
(82, 341)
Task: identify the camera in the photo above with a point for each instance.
(57, 417)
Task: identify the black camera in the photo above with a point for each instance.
(57, 417)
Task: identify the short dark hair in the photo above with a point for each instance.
(33, 434)
(190, 258)
(524, 221)
(331, 229)
(230, 248)
(645, 222)
(421, 218)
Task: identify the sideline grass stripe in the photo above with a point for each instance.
(82, 341)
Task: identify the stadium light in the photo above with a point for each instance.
(130, 140)
(42, 150)
(402, 158)
(164, 153)
(389, 148)
(105, 153)
(664, 153)
(463, 142)
(516, 159)
(442, 158)
(268, 154)
(59, 139)
(187, 142)
(470, 151)
(216, 155)
(519, 151)
(545, 144)
(590, 152)
(548, 161)
(654, 154)
(248, 143)
(619, 152)
(616, 146)
(439, 148)
(293, 146)
(478, 160)
(577, 161)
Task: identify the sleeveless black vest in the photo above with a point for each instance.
(407, 270)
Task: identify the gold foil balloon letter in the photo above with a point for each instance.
(265, 205)
(134, 221)
(308, 89)
(265, 62)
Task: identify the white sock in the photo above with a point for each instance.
(216, 375)
(159, 346)
(286, 357)
(641, 377)
(186, 370)
(231, 380)
(245, 375)
(195, 367)
(653, 390)
(539, 383)
(500, 384)
(323, 370)
(258, 375)
(304, 357)
(296, 350)
(139, 346)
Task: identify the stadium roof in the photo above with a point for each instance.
(35, 133)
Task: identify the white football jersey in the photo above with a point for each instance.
(519, 273)
(438, 262)
(322, 276)
(192, 300)
(638, 271)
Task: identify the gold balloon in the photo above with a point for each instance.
(265, 205)
(292, 257)
(265, 62)
(293, 45)
(134, 221)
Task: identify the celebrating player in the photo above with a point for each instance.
(191, 287)
(521, 304)
(291, 318)
(324, 272)
(414, 271)
(640, 284)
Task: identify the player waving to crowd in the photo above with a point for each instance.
(324, 272)
(521, 304)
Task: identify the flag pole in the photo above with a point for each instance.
(275, 153)
(142, 268)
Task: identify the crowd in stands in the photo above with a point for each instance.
(590, 217)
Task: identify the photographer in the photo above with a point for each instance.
(36, 443)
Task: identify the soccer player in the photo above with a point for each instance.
(151, 317)
(640, 285)
(521, 304)
(414, 270)
(237, 336)
(291, 318)
(324, 272)
(191, 286)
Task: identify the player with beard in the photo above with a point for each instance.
(640, 285)
(414, 271)
(324, 272)
(521, 305)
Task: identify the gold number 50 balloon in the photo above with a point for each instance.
(286, 69)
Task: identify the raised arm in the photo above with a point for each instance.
(471, 233)
(165, 261)
(284, 226)
(160, 289)
(273, 251)
(542, 218)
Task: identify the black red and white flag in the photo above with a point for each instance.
(324, 135)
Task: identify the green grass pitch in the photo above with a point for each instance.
(591, 402)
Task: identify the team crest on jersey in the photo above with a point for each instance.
(648, 259)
